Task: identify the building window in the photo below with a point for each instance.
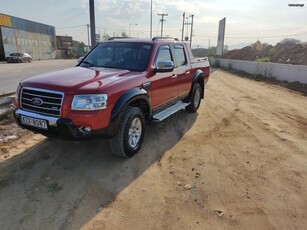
(5, 41)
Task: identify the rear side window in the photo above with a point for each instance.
(179, 55)
(164, 54)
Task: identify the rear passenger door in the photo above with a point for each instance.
(182, 70)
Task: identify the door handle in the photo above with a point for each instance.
(188, 72)
(174, 76)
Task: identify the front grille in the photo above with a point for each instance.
(44, 102)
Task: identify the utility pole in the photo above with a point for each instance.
(162, 21)
(88, 35)
(187, 23)
(182, 26)
(92, 22)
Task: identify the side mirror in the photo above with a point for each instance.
(164, 66)
(80, 59)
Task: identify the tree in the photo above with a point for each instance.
(105, 37)
(124, 34)
(79, 49)
(212, 51)
(225, 49)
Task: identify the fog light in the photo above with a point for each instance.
(85, 130)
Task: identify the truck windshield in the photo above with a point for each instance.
(119, 55)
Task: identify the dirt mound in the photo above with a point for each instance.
(286, 53)
(245, 53)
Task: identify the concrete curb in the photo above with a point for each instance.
(6, 101)
(6, 95)
(5, 104)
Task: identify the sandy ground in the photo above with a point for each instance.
(239, 163)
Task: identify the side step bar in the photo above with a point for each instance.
(169, 111)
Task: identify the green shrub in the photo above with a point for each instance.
(272, 52)
(214, 62)
(263, 59)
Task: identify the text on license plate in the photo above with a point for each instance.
(42, 124)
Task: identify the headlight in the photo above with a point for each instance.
(89, 102)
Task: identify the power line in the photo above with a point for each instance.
(229, 36)
(78, 35)
(117, 28)
(69, 27)
(267, 36)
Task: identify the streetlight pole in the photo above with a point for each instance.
(191, 30)
(88, 35)
(150, 19)
(182, 26)
(130, 28)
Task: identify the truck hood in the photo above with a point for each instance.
(77, 79)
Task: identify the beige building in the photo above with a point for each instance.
(21, 35)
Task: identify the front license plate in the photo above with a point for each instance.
(38, 123)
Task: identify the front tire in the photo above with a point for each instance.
(129, 138)
(195, 99)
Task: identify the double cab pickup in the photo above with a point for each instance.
(118, 87)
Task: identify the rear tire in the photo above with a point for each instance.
(129, 138)
(195, 99)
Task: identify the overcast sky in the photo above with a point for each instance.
(246, 21)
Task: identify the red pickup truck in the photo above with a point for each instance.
(116, 89)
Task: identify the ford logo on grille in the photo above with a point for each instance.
(37, 101)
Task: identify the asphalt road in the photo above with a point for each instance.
(12, 73)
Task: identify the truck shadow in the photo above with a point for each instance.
(63, 185)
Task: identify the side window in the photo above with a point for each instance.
(164, 54)
(179, 55)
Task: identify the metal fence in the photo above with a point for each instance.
(283, 72)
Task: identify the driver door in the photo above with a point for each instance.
(164, 89)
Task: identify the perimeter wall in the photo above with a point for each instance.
(282, 72)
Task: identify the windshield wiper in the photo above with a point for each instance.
(109, 66)
(88, 63)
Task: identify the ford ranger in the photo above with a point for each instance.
(116, 89)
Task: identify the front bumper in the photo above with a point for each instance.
(13, 60)
(58, 127)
